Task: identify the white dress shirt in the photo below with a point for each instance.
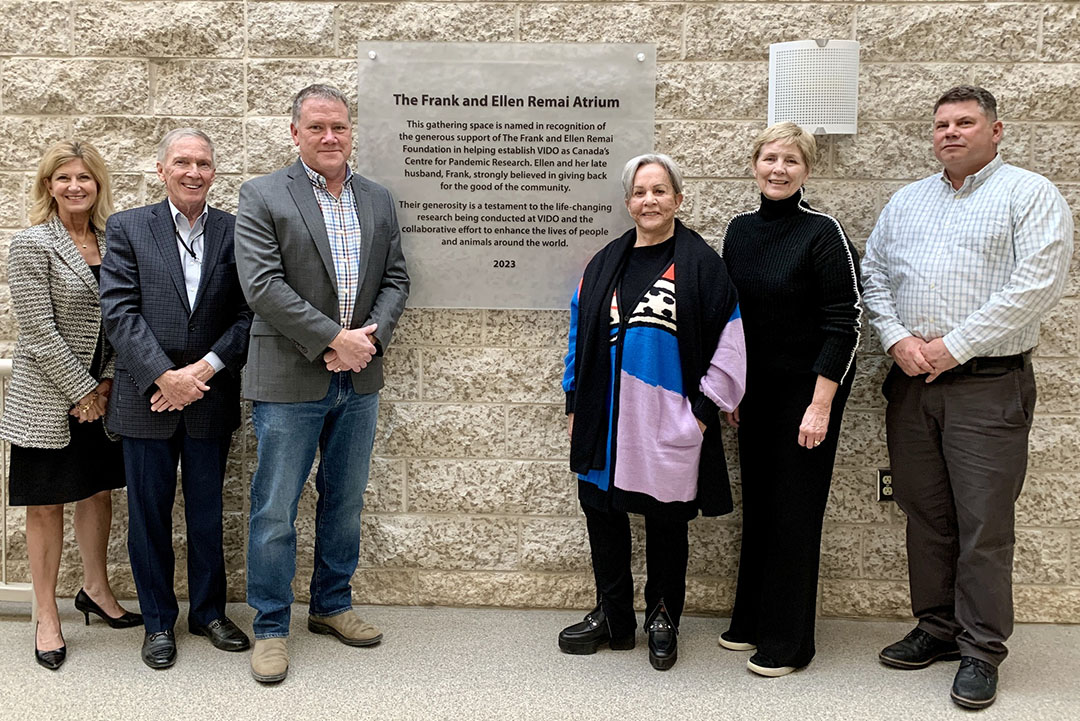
(190, 244)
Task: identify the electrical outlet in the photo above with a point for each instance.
(884, 485)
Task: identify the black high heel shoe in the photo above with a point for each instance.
(53, 659)
(86, 604)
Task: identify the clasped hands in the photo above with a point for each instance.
(92, 406)
(351, 350)
(180, 387)
(916, 356)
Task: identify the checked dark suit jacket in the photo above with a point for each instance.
(144, 307)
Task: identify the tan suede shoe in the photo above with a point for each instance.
(348, 628)
(270, 660)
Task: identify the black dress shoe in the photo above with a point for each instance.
(159, 649)
(587, 636)
(975, 685)
(51, 660)
(663, 640)
(918, 650)
(84, 603)
(223, 633)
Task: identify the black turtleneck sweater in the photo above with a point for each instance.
(798, 280)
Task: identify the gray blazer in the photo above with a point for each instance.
(55, 297)
(287, 273)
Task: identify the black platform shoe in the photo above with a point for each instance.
(51, 660)
(663, 640)
(84, 603)
(587, 636)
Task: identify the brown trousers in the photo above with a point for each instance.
(958, 449)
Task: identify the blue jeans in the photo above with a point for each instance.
(342, 427)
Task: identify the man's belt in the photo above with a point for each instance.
(993, 365)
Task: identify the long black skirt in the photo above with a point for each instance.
(89, 464)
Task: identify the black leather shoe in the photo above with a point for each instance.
(587, 636)
(84, 603)
(159, 649)
(975, 685)
(52, 659)
(223, 633)
(663, 641)
(918, 650)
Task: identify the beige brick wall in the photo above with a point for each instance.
(470, 501)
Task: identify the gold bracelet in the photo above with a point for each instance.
(85, 408)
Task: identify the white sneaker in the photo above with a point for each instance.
(763, 666)
(731, 644)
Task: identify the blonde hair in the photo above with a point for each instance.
(43, 205)
(787, 132)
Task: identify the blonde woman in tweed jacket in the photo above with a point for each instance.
(60, 388)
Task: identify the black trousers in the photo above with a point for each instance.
(958, 448)
(151, 471)
(666, 553)
(785, 489)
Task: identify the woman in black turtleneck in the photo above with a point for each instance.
(798, 281)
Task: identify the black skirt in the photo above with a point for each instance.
(89, 464)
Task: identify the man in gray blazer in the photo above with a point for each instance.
(320, 261)
(174, 312)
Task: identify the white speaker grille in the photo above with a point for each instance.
(815, 85)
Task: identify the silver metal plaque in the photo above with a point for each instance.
(504, 160)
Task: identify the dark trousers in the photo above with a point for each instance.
(666, 553)
(151, 470)
(785, 488)
(958, 449)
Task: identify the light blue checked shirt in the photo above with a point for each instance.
(977, 266)
(343, 229)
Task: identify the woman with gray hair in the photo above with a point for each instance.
(655, 353)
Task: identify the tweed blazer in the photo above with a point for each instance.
(287, 271)
(144, 305)
(55, 297)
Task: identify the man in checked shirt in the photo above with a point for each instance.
(958, 271)
(319, 258)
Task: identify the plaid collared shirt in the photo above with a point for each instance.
(976, 266)
(343, 230)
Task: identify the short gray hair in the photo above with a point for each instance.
(176, 134)
(664, 161)
(318, 90)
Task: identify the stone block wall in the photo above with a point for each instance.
(470, 501)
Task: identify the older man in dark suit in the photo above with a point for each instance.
(173, 309)
(319, 255)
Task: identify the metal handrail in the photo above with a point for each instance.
(19, 592)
